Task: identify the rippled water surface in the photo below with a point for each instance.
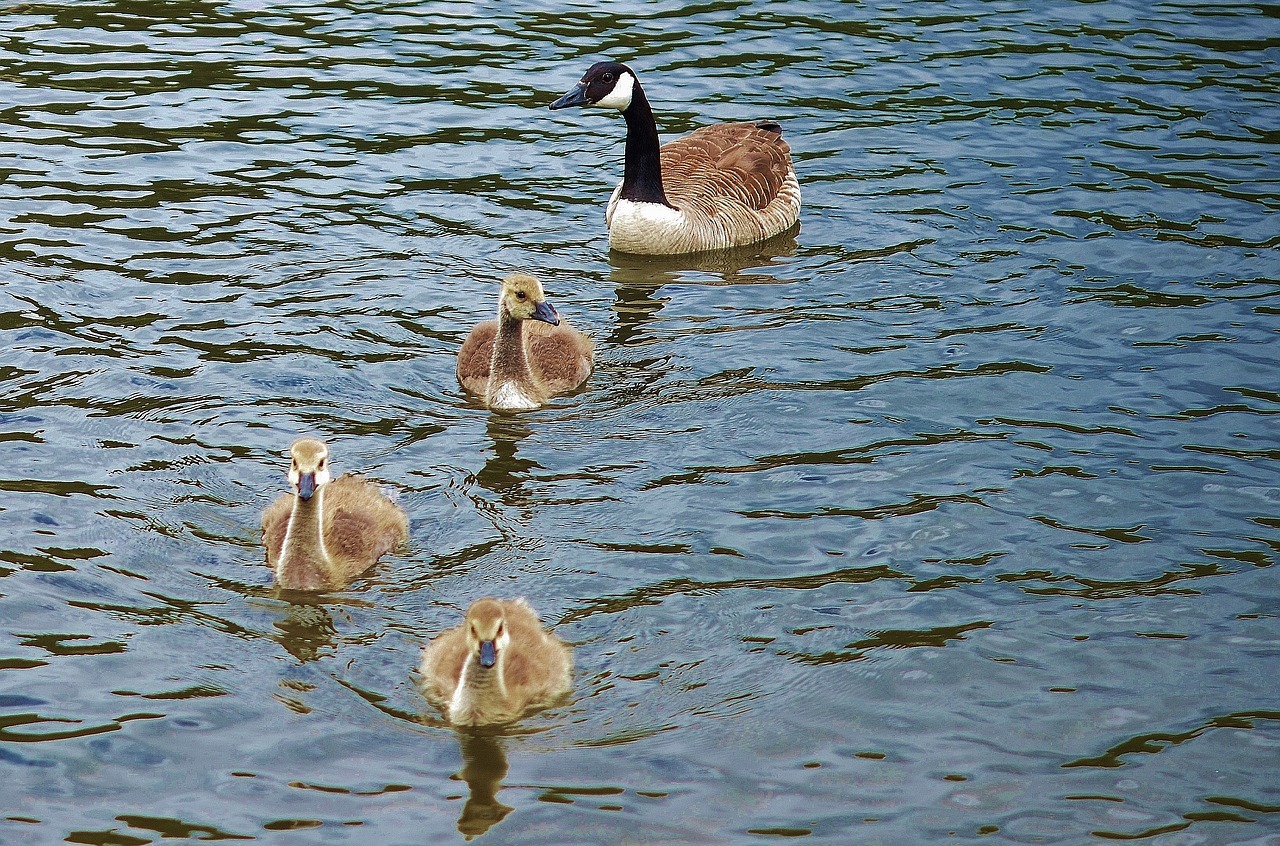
(951, 518)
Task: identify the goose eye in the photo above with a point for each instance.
(608, 77)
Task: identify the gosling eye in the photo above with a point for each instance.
(521, 295)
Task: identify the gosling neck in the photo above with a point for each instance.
(642, 168)
(479, 684)
(304, 561)
(510, 364)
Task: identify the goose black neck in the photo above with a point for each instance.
(642, 171)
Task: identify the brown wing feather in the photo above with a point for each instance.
(363, 524)
(275, 522)
(539, 669)
(475, 355)
(561, 358)
(442, 662)
(739, 161)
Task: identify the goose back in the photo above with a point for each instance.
(560, 360)
(730, 184)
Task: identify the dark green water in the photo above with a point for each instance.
(951, 519)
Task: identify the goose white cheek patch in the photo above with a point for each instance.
(620, 97)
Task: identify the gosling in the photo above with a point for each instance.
(497, 665)
(514, 368)
(327, 532)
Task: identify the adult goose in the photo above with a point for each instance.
(498, 664)
(328, 531)
(512, 367)
(721, 186)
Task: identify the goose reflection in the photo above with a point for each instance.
(637, 279)
(484, 766)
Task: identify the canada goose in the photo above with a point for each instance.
(516, 368)
(721, 186)
(326, 532)
(496, 665)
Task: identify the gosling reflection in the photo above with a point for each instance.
(497, 665)
(306, 631)
(504, 472)
(638, 278)
(484, 766)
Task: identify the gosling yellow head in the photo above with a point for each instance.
(487, 635)
(522, 297)
(309, 468)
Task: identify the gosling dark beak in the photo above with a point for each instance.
(547, 313)
(576, 97)
(306, 485)
(488, 653)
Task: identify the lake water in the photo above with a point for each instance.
(952, 517)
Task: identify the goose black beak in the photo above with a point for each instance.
(547, 313)
(488, 653)
(306, 485)
(576, 97)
